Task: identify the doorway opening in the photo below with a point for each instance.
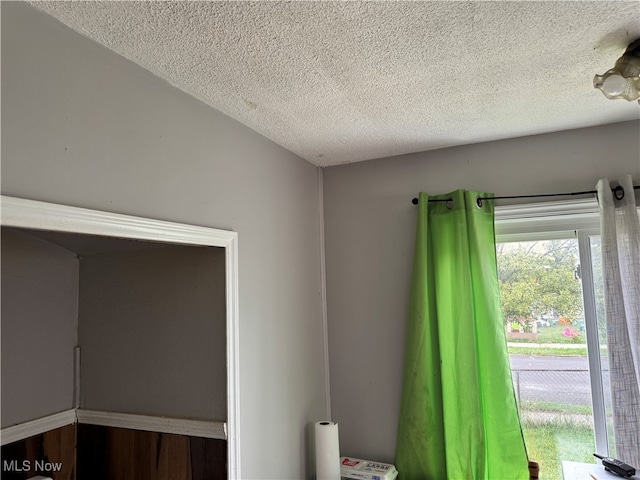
(119, 256)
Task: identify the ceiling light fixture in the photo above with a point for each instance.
(623, 80)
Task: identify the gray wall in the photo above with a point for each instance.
(370, 229)
(84, 127)
(152, 328)
(39, 325)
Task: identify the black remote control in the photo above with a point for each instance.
(616, 466)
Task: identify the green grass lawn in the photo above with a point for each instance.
(531, 406)
(549, 444)
(582, 352)
(553, 334)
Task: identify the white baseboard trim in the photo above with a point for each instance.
(36, 427)
(179, 426)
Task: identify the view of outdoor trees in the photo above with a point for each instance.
(539, 283)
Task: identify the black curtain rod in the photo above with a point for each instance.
(618, 192)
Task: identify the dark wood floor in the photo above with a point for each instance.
(53, 447)
(108, 453)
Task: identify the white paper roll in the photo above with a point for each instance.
(327, 451)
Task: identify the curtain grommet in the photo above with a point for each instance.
(618, 192)
(479, 202)
(449, 203)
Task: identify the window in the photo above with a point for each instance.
(551, 289)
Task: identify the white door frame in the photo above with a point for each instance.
(22, 213)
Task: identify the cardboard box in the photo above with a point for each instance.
(366, 470)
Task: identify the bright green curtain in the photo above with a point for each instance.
(458, 417)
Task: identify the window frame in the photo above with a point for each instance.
(593, 340)
(555, 220)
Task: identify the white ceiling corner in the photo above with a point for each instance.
(347, 81)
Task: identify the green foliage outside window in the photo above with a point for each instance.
(538, 282)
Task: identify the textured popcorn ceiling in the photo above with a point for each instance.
(338, 82)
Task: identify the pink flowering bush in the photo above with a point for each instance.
(572, 334)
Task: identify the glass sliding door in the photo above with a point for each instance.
(557, 346)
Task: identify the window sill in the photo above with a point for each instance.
(588, 471)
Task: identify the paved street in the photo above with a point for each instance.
(564, 363)
(561, 379)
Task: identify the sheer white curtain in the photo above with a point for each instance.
(620, 230)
